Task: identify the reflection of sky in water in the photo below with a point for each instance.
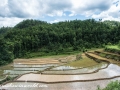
(30, 69)
(111, 71)
(22, 69)
(63, 68)
(101, 65)
(68, 69)
(46, 65)
(64, 86)
(12, 72)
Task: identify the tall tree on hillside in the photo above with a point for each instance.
(6, 52)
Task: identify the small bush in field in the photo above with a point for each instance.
(111, 86)
(78, 57)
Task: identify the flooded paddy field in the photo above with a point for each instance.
(22, 66)
(34, 66)
(75, 70)
(54, 74)
(111, 71)
(92, 85)
(22, 69)
(65, 67)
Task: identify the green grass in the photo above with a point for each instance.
(43, 54)
(84, 62)
(102, 54)
(113, 47)
(113, 85)
(2, 76)
(47, 54)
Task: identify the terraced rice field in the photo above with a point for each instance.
(63, 73)
(22, 66)
(92, 85)
(72, 70)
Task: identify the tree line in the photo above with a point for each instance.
(39, 36)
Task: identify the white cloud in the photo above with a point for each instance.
(113, 13)
(56, 20)
(57, 13)
(9, 21)
(25, 8)
(21, 9)
(82, 6)
(33, 8)
(72, 13)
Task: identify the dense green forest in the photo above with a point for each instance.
(39, 36)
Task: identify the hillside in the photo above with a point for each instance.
(31, 36)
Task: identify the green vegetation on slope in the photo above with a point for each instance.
(6, 52)
(112, 23)
(84, 62)
(39, 36)
(113, 47)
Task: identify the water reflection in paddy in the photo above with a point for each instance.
(12, 72)
(75, 70)
(19, 69)
(111, 71)
(30, 69)
(63, 68)
(44, 65)
(101, 65)
(63, 86)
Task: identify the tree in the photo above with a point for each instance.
(6, 52)
(34, 35)
(119, 44)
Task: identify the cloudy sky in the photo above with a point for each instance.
(14, 11)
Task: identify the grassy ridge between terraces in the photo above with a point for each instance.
(113, 47)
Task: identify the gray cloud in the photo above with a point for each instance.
(31, 8)
(22, 9)
(99, 5)
(4, 10)
(59, 4)
(34, 8)
(90, 7)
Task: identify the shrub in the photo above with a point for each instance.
(78, 57)
(111, 86)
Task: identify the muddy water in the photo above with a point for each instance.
(19, 69)
(73, 70)
(62, 86)
(64, 68)
(38, 62)
(29, 69)
(111, 71)
(37, 66)
(101, 65)
(14, 72)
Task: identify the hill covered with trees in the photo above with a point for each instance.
(39, 36)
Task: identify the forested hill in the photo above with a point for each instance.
(39, 36)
